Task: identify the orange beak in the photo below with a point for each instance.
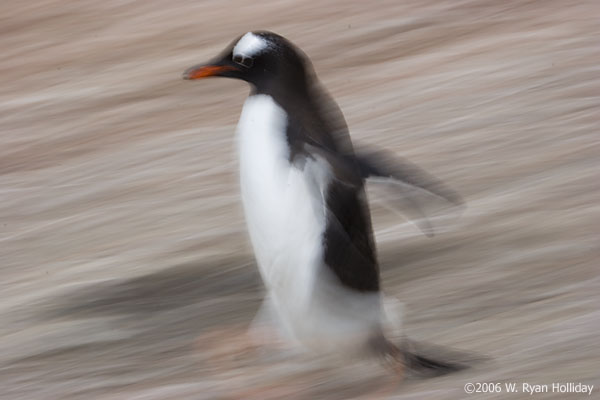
(204, 71)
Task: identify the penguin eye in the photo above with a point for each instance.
(242, 60)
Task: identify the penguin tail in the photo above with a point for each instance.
(407, 360)
(429, 367)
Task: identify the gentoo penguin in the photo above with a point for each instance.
(303, 193)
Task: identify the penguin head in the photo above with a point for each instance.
(263, 59)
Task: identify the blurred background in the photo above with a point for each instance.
(126, 271)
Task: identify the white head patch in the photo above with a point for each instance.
(249, 45)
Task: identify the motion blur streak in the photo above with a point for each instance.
(126, 270)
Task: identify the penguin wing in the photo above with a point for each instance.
(384, 164)
(348, 239)
(405, 187)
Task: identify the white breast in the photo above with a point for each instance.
(286, 217)
(284, 209)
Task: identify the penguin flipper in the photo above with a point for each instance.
(408, 189)
(386, 165)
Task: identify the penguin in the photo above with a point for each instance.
(304, 199)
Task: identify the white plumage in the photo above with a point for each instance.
(286, 216)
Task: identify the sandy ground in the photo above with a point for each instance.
(126, 269)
